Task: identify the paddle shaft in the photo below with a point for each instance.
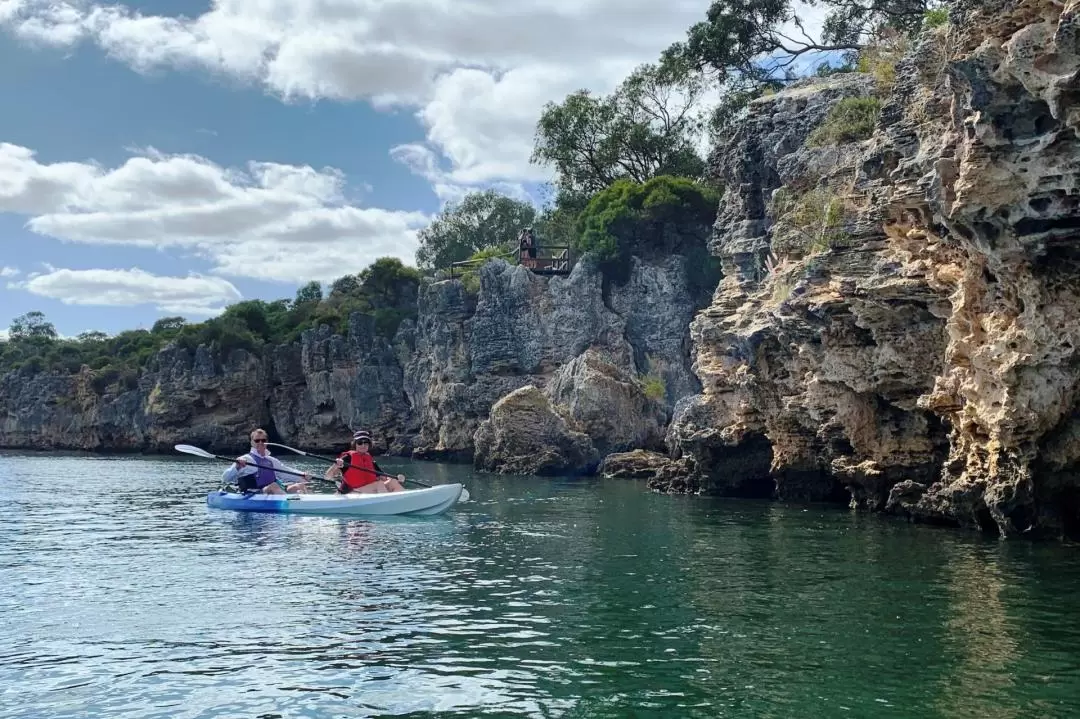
(283, 471)
(331, 460)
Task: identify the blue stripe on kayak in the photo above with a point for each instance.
(222, 500)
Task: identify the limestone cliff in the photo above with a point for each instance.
(524, 327)
(309, 393)
(898, 317)
(425, 393)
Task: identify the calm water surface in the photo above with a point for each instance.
(122, 595)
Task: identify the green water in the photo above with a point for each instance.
(124, 596)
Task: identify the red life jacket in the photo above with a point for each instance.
(354, 475)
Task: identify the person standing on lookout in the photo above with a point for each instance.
(255, 471)
(357, 469)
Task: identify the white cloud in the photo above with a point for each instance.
(476, 72)
(193, 295)
(9, 272)
(278, 222)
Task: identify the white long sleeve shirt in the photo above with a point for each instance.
(230, 474)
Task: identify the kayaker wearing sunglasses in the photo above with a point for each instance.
(254, 471)
(357, 469)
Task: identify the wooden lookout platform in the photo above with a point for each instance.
(549, 260)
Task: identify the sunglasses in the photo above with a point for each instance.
(260, 441)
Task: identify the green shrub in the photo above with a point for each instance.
(471, 282)
(936, 17)
(470, 276)
(652, 382)
(655, 387)
(658, 217)
(655, 219)
(850, 120)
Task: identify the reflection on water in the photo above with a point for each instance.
(124, 596)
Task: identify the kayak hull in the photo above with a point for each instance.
(412, 502)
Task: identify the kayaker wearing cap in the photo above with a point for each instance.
(359, 469)
(254, 471)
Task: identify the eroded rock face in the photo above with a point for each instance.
(330, 385)
(311, 393)
(655, 304)
(1007, 195)
(767, 151)
(523, 328)
(608, 403)
(53, 412)
(638, 464)
(527, 434)
(816, 369)
(927, 364)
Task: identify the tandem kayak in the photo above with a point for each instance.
(414, 502)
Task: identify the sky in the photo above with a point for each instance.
(168, 158)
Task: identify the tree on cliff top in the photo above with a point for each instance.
(647, 127)
(309, 293)
(655, 218)
(764, 39)
(389, 283)
(32, 325)
(749, 46)
(481, 220)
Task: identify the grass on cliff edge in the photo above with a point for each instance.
(808, 222)
(851, 120)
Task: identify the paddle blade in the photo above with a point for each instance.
(464, 495)
(188, 449)
(285, 446)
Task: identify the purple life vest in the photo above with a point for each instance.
(266, 474)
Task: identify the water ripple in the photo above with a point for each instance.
(124, 596)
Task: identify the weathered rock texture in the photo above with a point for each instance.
(426, 393)
(609, 403)
(527, 434)
(525, 327)
(638, 464)
(927, 362)
(591, 407)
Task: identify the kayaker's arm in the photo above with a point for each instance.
(333, 471)
(230, 474)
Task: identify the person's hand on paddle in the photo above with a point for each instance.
(241, 462)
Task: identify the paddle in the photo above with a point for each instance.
(464, 492)
(189, 449)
